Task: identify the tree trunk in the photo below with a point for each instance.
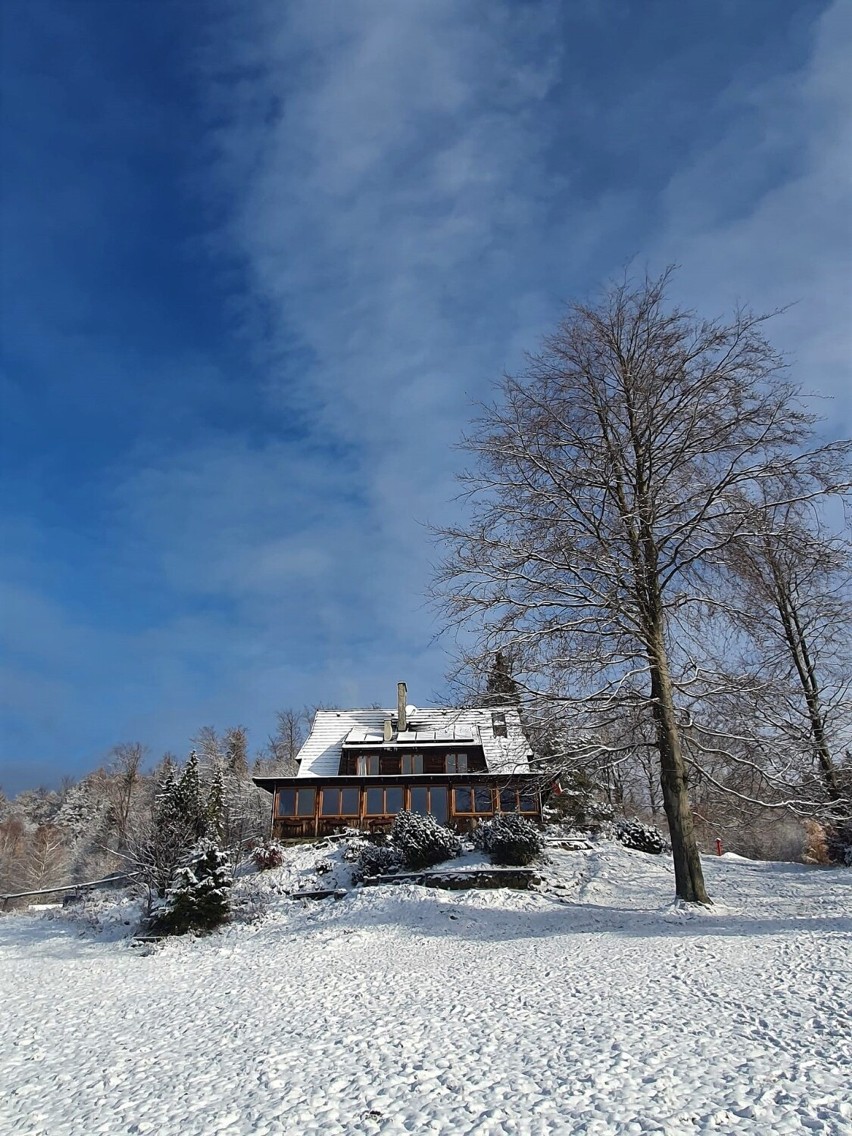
(797, 643)
(689, 878)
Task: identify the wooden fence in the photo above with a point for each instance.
(66, 887)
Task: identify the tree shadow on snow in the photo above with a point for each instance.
(449, 919)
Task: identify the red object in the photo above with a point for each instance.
(556, 789)
(718, 846)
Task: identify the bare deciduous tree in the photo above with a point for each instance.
(793, 599)
(48, 857)
(606, 488)
(122, 781)
(279, 755)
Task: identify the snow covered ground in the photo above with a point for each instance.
(407, 1010)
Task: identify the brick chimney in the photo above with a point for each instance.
(401, 699)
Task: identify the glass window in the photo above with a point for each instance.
(464, 800)
(375, 802)
(389, 764)
(286, 803)
(419, 800)
(528, 802)
(305, 802)
(349, 802)
(330, 802)
(412, 763)
(509, 800)
(368, 765)
(456, 763)
(482, 800)
(393, 800)
(498, 723)
(438, 803)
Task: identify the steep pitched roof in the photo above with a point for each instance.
(320, 755)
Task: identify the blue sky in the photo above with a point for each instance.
(259, 260)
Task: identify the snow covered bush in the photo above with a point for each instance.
(269, 854)
(640, 837)
(199, 897)
(375, 860)
(422, 841)
(838, 843)
(509, 839)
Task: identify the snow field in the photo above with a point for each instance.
(407, 1010)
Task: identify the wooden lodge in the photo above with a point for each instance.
(359, 768)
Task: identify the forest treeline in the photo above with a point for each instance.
(109, 820)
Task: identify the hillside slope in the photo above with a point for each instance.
(406, 1010)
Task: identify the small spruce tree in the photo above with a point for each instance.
(199, 898)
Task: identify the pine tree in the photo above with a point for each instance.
(170, 836)
(501, 688)
(216, 804)
(199, 898)
(236, 752)
(188, 798)
(166, 810)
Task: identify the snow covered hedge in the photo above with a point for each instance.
(422, 841)
(640, 837)
(376, 860)
(509, 839)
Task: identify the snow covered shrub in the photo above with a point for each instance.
(509, 839)
(422, 840)
(270, 854)
(838, 843)
(199, 898)
(640, 837)
(376, 860)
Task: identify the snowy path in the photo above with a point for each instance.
(410, 1011)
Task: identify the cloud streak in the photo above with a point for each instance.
(396, 199)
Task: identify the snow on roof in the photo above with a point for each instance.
(332, 729)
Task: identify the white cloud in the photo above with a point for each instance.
(400, 221)
(791, 244)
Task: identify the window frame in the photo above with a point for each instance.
(297, 791)
(430, 791)
(409, 763)
(531, 794)
(473, 790)
(384, 790)
(457, 762)
(339, 790)
(365, 760)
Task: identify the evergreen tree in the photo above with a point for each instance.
(236, 752)
(216, 805)
(170, 836)
(501, 688)
(188, 798)
(199, 898)
(166, 810)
